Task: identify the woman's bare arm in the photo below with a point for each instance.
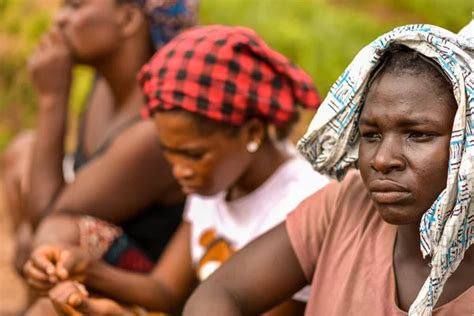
(165, 290)
(129, 176)
(50, 68)
(257, 278)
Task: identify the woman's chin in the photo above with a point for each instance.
(395, 216)
(204, 191)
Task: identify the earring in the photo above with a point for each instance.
(252, 146)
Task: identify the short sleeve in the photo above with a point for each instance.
(188, 209)
(307, 226)
(198, 213)
(193, 209)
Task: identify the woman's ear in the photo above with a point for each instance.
(132, 19)
(254, 131)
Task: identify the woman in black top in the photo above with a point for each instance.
(121, 176)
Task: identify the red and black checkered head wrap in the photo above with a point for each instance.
(227, 74)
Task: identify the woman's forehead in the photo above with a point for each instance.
(176, 122)
(186, 128)
(407, 97)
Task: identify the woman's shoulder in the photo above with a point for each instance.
(298, 173)
(338, 198)
(135, 134)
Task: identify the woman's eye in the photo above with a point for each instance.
(195, 155)
(420, 136)
(371, 137)
(75, 4)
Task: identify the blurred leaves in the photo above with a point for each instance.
(22, 23)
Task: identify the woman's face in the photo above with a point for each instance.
(202, 164)
(405, 128)
(90, 28)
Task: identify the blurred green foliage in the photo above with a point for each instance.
(322, 36)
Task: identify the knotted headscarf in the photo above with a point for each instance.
(468, 31)
(168, 18)
(227, 74)
(332, 141)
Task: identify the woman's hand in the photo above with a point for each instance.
(71, 298)
(51, 66)
(67, 296)
(50, 264)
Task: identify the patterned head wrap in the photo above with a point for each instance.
(227, 74)
(168, 17)
(332, 141)
(468, 31)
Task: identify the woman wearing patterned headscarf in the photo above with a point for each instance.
(223, 103)
(120, 173)
(402, 113)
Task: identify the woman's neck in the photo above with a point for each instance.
(267, 159)
(408, 243)
(411, 270)
(120, 70)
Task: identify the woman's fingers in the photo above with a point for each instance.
(39, 286)
(101, 306)
(66, 262)
(43, 259)
(69, 293)
(31, 271)
(37, 279)
(51, 65)
(56, 37)
(72, 298)
(78, 298)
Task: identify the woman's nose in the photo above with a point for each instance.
(388, 156)
(61, 17)
(181, 171)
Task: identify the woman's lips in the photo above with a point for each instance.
(188, 189)
(389, 197)
(387, 191)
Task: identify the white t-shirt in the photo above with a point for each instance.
(220, 227)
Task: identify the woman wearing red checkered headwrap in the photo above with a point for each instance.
(223, 103)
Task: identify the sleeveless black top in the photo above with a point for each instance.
(152, 227)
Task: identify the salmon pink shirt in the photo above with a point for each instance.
(345, 250)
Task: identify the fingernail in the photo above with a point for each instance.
(63, 273)
(74, 300)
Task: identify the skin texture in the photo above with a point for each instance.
(132, 173)
(406, 127)
(231, 290)
(204, 165)
(93, 25)
(165, 288)
(208, 158)
(208, 164)
(406, 161)
(72, 298)
(405, 132)
(126, 28)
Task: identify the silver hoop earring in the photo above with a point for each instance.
(252, 146)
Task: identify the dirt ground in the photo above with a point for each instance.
(12, 291)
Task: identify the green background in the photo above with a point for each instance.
(322, 36)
